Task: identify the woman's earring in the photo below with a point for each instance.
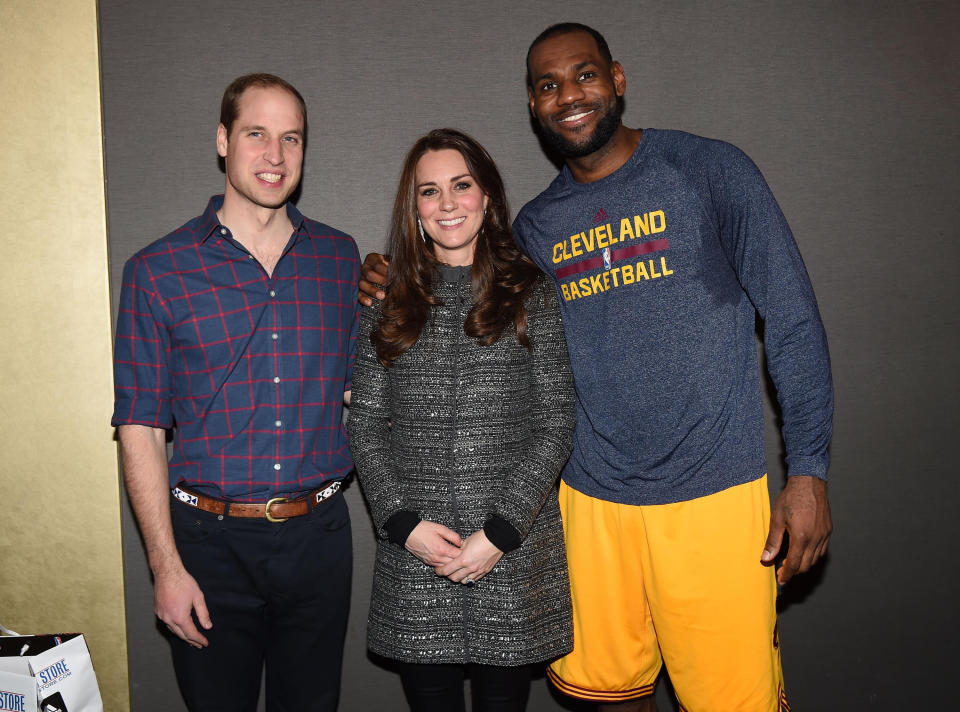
(420, 228)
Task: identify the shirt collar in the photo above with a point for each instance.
(209, 223)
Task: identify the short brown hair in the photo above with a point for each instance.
(232, 94)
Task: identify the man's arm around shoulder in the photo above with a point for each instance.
(375, 274)
(176, 593)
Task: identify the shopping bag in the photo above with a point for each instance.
(47, 673)
(18, 692)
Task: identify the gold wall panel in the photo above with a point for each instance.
(61, 566)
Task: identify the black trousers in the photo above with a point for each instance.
(278, 596)
(439, 688)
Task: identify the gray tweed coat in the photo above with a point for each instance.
(455, 432)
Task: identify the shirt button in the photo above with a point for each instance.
(223, 231)
(276, 466)
(274, 336)
(273, 293)
(276, 379)
(249, 257)
(277, 423)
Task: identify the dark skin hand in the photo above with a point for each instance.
(373, 278)
(802, 509)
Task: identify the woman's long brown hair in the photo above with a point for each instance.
(501, 275)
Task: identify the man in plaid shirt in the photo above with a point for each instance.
(238, 332)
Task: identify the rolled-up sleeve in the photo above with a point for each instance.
(142, 390)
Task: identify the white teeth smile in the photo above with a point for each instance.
(270, 177)
(452, 223)
(576, 116)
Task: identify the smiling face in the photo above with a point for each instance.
(576, 94)
(264, 151)
(450, 205)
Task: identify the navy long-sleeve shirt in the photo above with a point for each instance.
(662, 269)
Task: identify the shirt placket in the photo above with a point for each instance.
(286, 390)
(276, 324)
(279, 375)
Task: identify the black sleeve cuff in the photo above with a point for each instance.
(399, 526)
(502, 534)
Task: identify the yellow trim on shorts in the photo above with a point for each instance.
(583, 693)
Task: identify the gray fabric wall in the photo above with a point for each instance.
(849, 108)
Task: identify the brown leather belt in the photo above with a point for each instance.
(278, 509)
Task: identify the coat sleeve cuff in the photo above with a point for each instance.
(399, 526)
(502, 534)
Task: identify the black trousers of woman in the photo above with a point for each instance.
(439, 688)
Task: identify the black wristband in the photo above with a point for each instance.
(399, 526)
(502, 534)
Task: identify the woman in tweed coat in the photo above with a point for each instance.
(461, 418)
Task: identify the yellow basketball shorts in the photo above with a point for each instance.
(677, 584)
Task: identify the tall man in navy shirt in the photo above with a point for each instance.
(665, 247)
(238, 331)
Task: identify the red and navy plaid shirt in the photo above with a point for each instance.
(250, 369)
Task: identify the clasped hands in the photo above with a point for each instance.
(460, 560)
